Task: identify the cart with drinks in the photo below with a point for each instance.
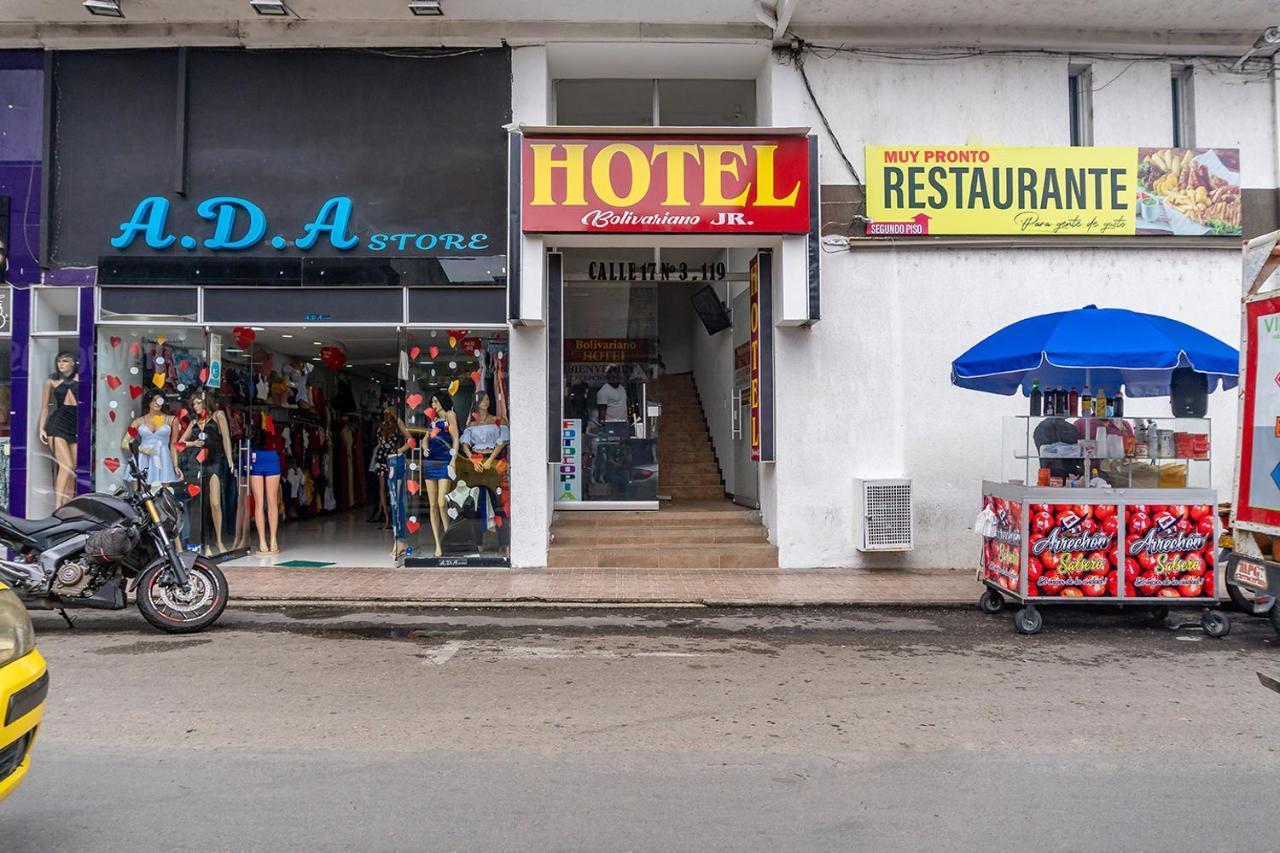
(1097, 504)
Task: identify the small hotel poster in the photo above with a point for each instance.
(1079, 191)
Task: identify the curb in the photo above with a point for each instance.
(253, 603)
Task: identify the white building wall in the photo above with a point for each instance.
(866, 392)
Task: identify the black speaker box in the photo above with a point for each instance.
(1188, 393)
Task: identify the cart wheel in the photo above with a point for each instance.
(991, 601)
(1215, 623)
(1160, 613)
(1028, 621)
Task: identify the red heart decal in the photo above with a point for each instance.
(413, 442)
(413, 401)
(111, 463)
(412, 526)
(497, 421)
(413, 353)
(133, 432)
(135, 391)
(430, 412)
(203, 454)
(497, 519)
(412, 486)
(184, 364)
(193, 490)
(134, 349)
(475, 377)
(111, 415)
(182, 413)
(435, 431)
(180, 446)
(113, 382)
(204, 374)
(477, 458)
(434, 351)
(115, 341)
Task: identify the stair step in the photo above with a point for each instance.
(675, 557)
(646, 535)
(693, 492)
(733, 516)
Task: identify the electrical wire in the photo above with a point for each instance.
(1258, 68)
(799, 61)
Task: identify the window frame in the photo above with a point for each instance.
(1080, 105)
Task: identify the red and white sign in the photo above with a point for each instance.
(731, 184)
(1258, 481)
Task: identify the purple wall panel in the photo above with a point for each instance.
(21, 149)
(84, 411)
(21, 361)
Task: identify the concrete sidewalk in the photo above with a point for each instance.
(621, 586)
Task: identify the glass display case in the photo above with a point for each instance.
(1119, 453)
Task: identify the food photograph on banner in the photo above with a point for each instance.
(1057, 191)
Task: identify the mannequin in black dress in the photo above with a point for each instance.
(59, 416)
(210, 432)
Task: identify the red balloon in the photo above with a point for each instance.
(244, 336)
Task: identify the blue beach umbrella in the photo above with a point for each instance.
(1102, 347)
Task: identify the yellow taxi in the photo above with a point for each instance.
(24, 682)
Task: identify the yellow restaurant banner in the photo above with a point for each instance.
(1101, 192)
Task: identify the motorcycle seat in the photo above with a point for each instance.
(27, 526)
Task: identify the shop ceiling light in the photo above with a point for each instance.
(269, 7)
(425, 7)
(106, 8)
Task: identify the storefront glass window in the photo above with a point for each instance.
(457, 488)
(152, 386)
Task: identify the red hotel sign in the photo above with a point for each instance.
(676, 184)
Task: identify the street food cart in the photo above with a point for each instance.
(1100, 508)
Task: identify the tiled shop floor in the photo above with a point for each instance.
(705, 586)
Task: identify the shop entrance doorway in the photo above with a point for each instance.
(358, 446)
(650, 401)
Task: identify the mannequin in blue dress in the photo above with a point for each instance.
(438, 462)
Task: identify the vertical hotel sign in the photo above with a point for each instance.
(754, 272)
(753, 183)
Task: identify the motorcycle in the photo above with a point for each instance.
(95, 546)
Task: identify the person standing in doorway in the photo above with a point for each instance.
(611, 399)
(611, 411)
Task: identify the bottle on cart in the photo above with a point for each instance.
(1073, 403)
(1117, 405)
(1059, 401)
(1036, 398)
(1086, 403)
(1100, 404)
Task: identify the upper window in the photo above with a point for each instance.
(671, 103)
(1080, 98)
(1183, 112)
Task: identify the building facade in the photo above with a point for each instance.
(849, 360)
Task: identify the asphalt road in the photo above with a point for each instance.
(677, 729)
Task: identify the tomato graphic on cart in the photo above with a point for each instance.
(1072, 551)
(1002, 553)
(1170, 552)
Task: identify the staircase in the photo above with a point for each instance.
(687, 467)
(680, 535)
(698, 529)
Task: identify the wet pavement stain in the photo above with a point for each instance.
(146, 647)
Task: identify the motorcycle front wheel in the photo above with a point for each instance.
(176, 611)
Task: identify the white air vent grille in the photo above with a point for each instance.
(884, 516)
